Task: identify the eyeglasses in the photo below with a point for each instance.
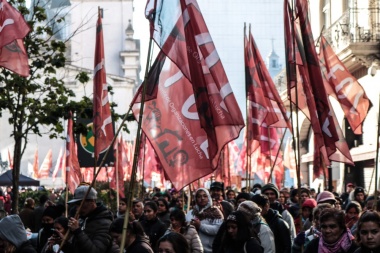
(330, 226)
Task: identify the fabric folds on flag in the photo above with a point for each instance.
(195, 113)
(10, 160)
(14, 28)
(344, 87)
(103, 128)
(14, 58)
(13, 24)
(303, 70)
(117, 180)
(73, 174)
(46, 165)
(60, 164)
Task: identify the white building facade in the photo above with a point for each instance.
(122, 62)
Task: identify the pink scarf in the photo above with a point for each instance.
(342, 245)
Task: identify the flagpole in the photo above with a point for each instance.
(298, 154)
(270, 153)
(248, 150)
(143, 168)
(275, 159)
(137, 149)
(117, 175)
(377, 156)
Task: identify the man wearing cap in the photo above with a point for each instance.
(217, 192)
(360, 196)
(91, 230)
(273, 194)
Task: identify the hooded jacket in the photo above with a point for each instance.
(12, 230)
(211, 218)
(93, 235)
(280, 231)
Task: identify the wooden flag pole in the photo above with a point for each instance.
(137, 149)
(117, 175)
(377, 158)
(246, 113)
(295, 141)
(275, 159)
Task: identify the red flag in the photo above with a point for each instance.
(12, 24)
(118, 176)
(103, 130)
(60, 164)
(309, 76)
(73, 174)
(195, 107)
(289, 156)
(35, 165)
(46, 165)
(344, 87)
(259, 80)
(14, 58)
(10, 160)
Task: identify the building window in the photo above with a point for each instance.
(274, 64)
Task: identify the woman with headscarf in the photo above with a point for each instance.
(335, 237)
(206, 218)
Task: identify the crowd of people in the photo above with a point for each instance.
(264, 219)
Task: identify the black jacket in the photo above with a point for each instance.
(252, 245)
(312, 247)
(154, 229)
(26, 248)
(363, 249)
(280, 231)
(93, 236)
(140, 245)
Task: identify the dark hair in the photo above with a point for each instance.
(133, 227)
(367, 216)
(244, 230)
(230, 190)
(334, 214)
(152, 205)
(63, 221)
(354, 204)
(178, 215)
(163, 200)
(178, 242)
(260, 199)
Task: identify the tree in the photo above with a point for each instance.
(42, 99)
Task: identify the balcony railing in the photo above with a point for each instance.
(354, 26)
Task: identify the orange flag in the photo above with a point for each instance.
(35, 165)
(46, 165)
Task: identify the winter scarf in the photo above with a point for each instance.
(343, 244)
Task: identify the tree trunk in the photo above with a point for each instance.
(16, 174)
